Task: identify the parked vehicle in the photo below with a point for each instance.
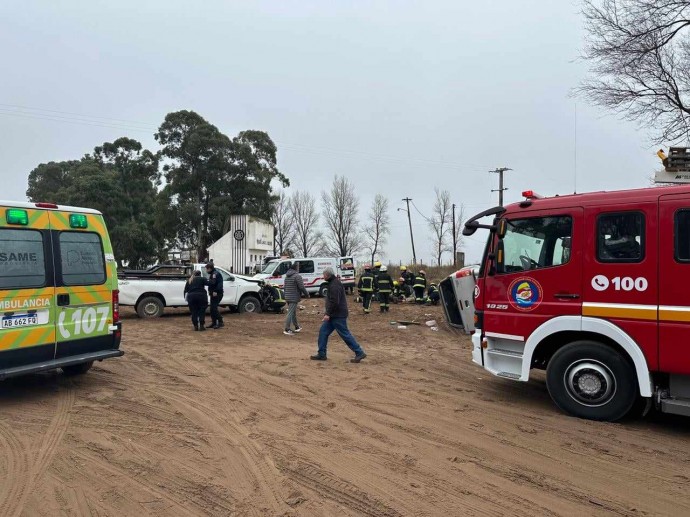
(58, 289)
(457, 294)
(311, 269)
(593, 288)
(152, 290)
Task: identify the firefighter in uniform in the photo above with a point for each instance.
(366, 288)
(376, 272)
(409, 280)
(433, 295)
(384, 286)
(419, 286)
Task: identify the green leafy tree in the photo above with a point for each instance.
(120, 180)
(212, 176)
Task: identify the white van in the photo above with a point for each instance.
(311, 269)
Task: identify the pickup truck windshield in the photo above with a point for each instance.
(270, 267)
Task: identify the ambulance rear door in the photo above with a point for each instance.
(83, 283)
(27, 313)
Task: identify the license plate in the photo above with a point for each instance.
(20, 320)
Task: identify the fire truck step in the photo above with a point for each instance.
(676, 406)
(508, 375)
(503, 352)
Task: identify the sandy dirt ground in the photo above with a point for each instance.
(240, 422)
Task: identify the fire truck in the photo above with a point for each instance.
(595, 290)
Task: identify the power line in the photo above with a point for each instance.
(139, 126)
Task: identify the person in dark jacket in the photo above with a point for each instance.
(419, 286)
(384, 286)
(215, 292)
(336, 319)
(433, 295)
(294, 290)
(195, 294)
(366, 288)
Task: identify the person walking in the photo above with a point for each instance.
(294, 290)
(195, 294)
(366, 288)
(335, 318)
(384, 285)
(215, 292)
(419, 286)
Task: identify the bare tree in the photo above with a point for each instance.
(340, 208)
(459, 238)
(305, 219)
(440, 224)
(282, 221)
(378, 228)
(640, 57)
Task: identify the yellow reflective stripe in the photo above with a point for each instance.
(620, 310)
(674, 313)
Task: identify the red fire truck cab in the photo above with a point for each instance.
(595, 289)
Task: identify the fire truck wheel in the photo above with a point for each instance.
(590, 380)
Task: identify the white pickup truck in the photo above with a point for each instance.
(151, 290)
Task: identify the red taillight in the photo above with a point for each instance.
(116, 306)
(46, 205)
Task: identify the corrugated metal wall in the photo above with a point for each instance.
(239, 250)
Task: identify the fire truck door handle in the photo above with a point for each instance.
(567, 296)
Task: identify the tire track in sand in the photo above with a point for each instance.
(13, 488)
(258, 465)
(26, 471)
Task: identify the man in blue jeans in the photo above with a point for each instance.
(336, 319)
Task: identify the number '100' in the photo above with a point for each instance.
(626, 283)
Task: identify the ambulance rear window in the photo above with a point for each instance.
(22, 259)
(81, 257)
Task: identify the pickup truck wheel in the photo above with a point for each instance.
(590, 380)
(250, 304)
(323, 290)
(77, 369)
(150, 307)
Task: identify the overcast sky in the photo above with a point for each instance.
(399, 96)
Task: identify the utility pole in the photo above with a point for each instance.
(501, 188)
(455, 241)
(409, 220)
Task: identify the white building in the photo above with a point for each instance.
(245, 246)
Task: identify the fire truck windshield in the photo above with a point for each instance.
(537, 242)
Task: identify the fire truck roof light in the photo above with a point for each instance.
(530, 194)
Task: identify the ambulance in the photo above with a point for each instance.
(58, 289)
(311, 269)
(595, 290)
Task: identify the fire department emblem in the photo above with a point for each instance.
(525, 294)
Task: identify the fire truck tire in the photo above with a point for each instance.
(590, 380)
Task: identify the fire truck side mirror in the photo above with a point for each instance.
(501, 228)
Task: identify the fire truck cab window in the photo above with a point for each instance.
(536, 243)
(620, 237)
(683, 236)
